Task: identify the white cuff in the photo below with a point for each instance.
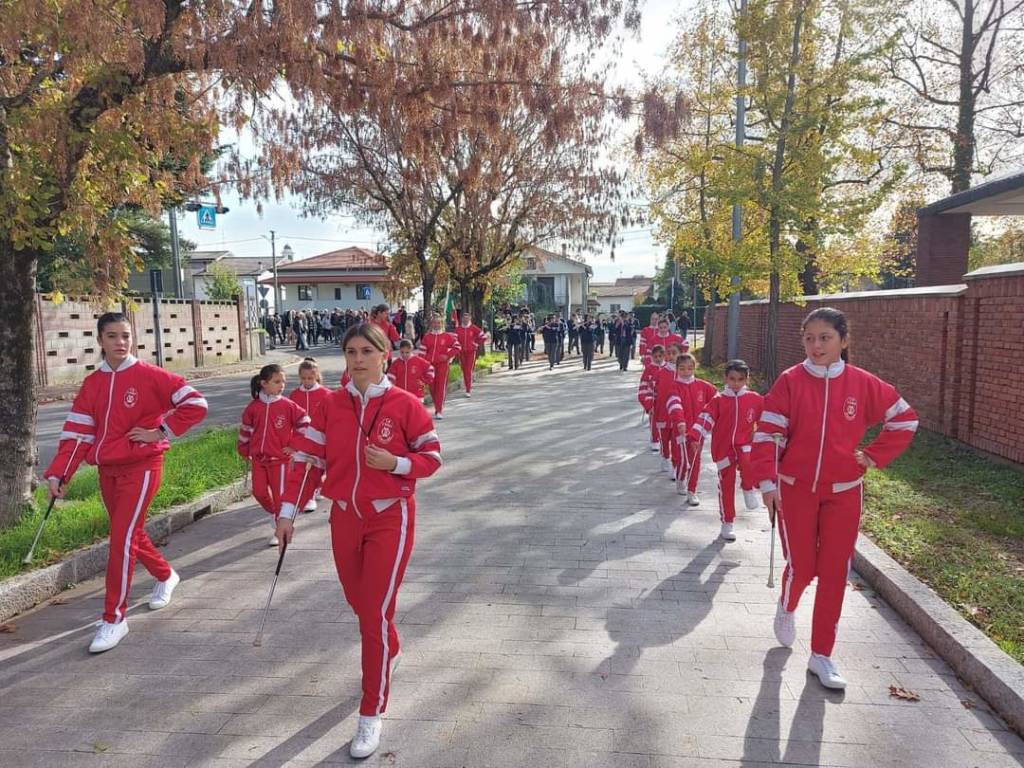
(403, 466)
(287, 511)
(767, 486)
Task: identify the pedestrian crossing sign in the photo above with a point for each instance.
(207, 215)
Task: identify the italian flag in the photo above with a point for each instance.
(449, 307)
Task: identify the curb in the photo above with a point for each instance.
(978, 661)
(22, 592)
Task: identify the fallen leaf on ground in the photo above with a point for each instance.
(59, 601)
(856, 586)
(603, 675)
(968, 704)
(8, 628)
(898, 692)
(100, 747)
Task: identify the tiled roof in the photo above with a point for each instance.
(346, 258)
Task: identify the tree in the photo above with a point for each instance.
(95, 96)
(222, 282)
(959, 64)
(1004, 246)
(898, 263)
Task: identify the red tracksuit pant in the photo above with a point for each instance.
(655, 437)
(466, 362)
(370, 555)
(127, 493)
(440, 386)
(671, 448)
(268, 481)
(818, 531)
(727, 482)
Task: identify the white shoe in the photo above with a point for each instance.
(438, 417)
(785, 626)
(273, 542)
(655, 447)
(752, 500)
(310, 506)
(727, 532)
(826, 671)
(666, 465)
(367, 737)
(681, 489)
(108, 635)
(467, 394)
(160, 597)
(693, 499)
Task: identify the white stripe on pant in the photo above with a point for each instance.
(128, 546)
(388, 597)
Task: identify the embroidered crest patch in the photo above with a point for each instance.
(131, 397)
(279, 422)
(386, 430)
(850, 408)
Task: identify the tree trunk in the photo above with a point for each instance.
(707, 351)
(809, 274)
(771, 355)
(17, 385)
(476, 303)
(964, 141)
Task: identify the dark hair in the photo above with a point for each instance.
(836, 319)
(737, 365)
(657, 348)
(686, 357)
(378, 309)
(369, 331)
(267, 372)
(108, 318)
(404, 344)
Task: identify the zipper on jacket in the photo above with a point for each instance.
(735, 422)
(359, 436)
(821, 444)
(106, 419)
(266, 421)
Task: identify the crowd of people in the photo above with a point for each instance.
(364, 445)
(309, 327)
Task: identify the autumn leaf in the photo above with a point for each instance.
(898, 692)
(968, 704)
(7, 629)
(59, 601)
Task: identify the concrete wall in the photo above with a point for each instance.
(192, 334)
(953, 351)
(323, 297)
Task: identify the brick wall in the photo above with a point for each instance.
(192, 334)
(954, 351)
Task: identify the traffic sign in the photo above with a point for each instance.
(264, 290)
(207, 215)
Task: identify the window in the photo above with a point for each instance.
(305, 293)
(337, 293)
(615, 308)
(363, 291)
(531, 263)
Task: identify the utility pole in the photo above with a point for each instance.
(273, 260)
(737, 208)
(172, 216)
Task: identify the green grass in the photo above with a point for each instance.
(483, 363)
(956, 521)
(192, 467)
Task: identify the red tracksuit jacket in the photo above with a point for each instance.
(645, 394)
(412, 375)
(644, 342)
(439, 348)
(663, 385)
(669, 338)
(110, 403)
(820, 415)
(686, 400)
(269, 424)
(387, 417)
(389, 330)
(729, 421)
(309, 399)
(471, 338)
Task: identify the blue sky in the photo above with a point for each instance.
(243, 230)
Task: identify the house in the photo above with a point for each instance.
(553, 281)
(195, 275)
(351, 278)
(624, 294)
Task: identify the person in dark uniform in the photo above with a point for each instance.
(552, 340)
(587, 331)
(626, 339)
(513, 341)
(599, 331)
(613, 336)
(574, 333)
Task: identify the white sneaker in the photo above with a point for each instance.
(752, 500)
(681, 489)
(826, 671)
(367, 737)
(160, 597)
(655, 447)
(273, 542)
(785, 626)
(466, 394)
(438, 417)
(727, 532)
(693, 499)
(310, 506)
(108, 635)
(666, 465)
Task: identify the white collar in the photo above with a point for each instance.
(823, 371)
(127, 363)
(265, 398)
(663, 335)
(314, 388)
(667, 364)
(374, 390)
(728, 391)
(686, 380)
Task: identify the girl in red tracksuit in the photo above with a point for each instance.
(689, 396)
(268, 425)
(663, 383)
(645, 394)
(729, 421)
(810, 471)
(121, 421)
(375, 441)
(309, 394)
(439, 348)
(471, 340)
(662, 336)
(381, 317)
(409, 372)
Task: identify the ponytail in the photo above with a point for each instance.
(267, 372)
(254, 386)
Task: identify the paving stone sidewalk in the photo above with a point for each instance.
(562, 608)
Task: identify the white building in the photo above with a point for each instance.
(555, 281)
(624, 294)
(352, 278)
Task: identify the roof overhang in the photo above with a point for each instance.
(324, 279)
(999, 197)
